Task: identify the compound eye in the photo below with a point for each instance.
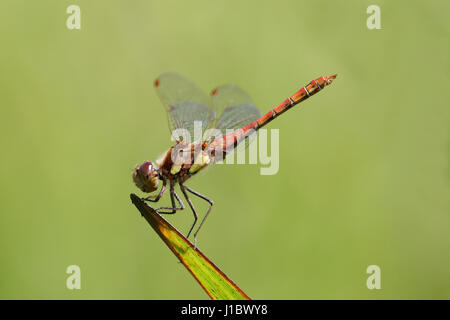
(146, 168)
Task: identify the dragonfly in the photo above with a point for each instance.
(229, 111)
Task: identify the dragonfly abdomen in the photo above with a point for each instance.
(304, 93)
(232, 140)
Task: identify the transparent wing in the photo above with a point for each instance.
(188, 107)
(235, 109)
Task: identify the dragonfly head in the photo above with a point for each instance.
(145, 176)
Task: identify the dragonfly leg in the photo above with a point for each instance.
(158, 196)
(184, 189)
(211, 203)
(173, 209)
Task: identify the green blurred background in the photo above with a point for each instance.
(364, 166)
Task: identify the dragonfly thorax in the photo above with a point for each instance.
(182, 161)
